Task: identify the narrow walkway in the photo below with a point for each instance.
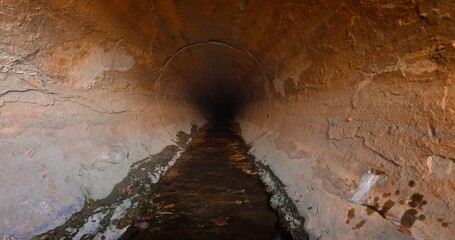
(212, 192)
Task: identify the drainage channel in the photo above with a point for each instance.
(213, 191)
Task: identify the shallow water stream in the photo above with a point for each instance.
(212, 191)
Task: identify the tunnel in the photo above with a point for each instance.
(348, 108)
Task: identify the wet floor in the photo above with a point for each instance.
(212, 192)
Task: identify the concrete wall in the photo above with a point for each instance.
(351, 103)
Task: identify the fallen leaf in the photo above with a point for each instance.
(120, 224)
(219, 221)
(169, 206)
(128, 190)
(237, 157)
(164, 213)
(249, 172)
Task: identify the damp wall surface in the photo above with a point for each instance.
(350, 103)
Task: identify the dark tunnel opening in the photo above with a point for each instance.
(223, 109)
(213, 80)
(221, 104)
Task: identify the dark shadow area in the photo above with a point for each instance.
(213, 79)
(220, 103)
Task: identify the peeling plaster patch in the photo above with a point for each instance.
(444, 97)
(441, 167)
(335, 131)
(92, 68)
(11, 129)
(368, 181)
(26, 96)
(279, 87)
(389, 5)
(295, 73)
(362, 84)
(419, 67)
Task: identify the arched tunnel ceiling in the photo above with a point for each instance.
(215, 77)
(348, 102)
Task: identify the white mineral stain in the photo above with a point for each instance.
(368, 181)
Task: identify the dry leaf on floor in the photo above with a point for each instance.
(249, 172)
(163, 213)
(128, 190)
(237, 157)
(169, 206)
(219, 221)
(120, 224)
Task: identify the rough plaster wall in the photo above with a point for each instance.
(363, 113)
(77, 108)
(362, 90)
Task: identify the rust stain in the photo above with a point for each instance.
(417, 201)
(376, 200)
(369, 210)
(387, 206)
(408, 218)
(360, 224)
(351, 213)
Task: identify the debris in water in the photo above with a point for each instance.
(220, 221)
(169, 206)
(213, 192)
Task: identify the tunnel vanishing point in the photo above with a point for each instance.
(350, 103)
